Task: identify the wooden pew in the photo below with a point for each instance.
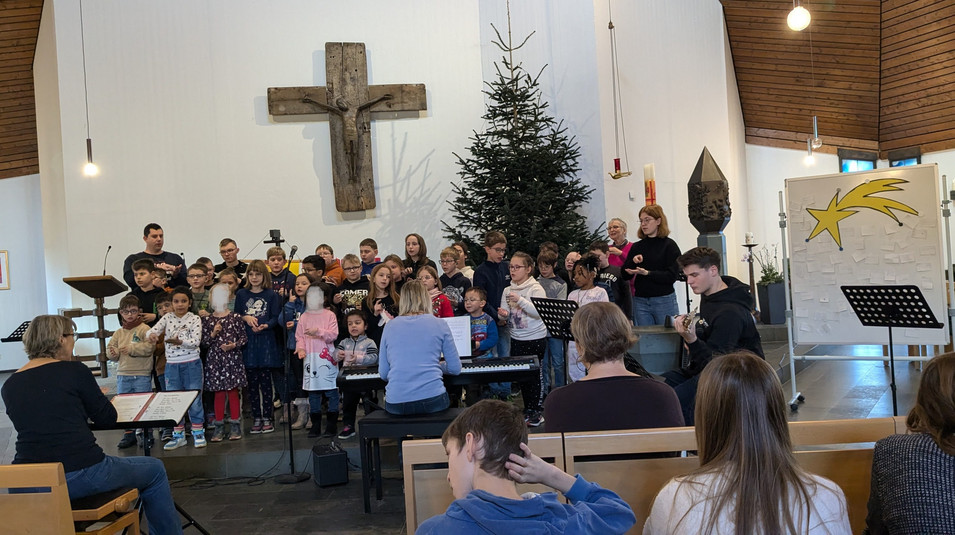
(840, 450)
(426, 489)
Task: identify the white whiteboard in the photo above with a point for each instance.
(858, 211)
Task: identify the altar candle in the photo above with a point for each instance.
(750, 239)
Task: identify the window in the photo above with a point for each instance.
(856, 160)
(909, 156)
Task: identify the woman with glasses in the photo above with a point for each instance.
(651, 263)
(51, 398)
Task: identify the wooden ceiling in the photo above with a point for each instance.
(879, 76)
(19, 24)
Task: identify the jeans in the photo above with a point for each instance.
(554, 360)
(422, 406)
(503, 349)
(133, 384)
(685, 388)
(315, 400)
(187, 376)
(144, 473)
(654, 310)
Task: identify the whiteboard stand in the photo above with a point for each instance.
(797, 396)
(947, 216)
(891, 306)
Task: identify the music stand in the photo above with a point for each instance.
(891, 306)
(556, 315)
(99, 287)
(17, 334)
(172, 416)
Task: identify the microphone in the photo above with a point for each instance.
(291, 253)
(105, 257)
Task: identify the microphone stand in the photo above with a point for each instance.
(292, 476)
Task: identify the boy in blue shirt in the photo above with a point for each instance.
(488, 455)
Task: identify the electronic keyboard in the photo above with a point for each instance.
(473, 371)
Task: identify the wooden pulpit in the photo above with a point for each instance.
(99, 287)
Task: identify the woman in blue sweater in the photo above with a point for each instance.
(409, 358)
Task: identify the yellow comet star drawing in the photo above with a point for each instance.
(860, 196)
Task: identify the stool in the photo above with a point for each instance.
(381, 424)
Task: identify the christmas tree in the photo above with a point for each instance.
(520, 177)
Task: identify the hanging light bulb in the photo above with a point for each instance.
(798, 18)
(809, 159)
(816, 141)
(90, 169)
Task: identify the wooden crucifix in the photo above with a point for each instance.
(349, 101)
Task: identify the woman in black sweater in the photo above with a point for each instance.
(51, 398)
(651, 263)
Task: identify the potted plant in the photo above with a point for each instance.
(770, 289)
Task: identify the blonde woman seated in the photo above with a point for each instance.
(748, 480)
(410, 356)
(913, 475)
(609, 396)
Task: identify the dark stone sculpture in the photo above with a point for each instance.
(708, 193)
(709, 196)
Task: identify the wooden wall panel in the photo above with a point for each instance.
(782, 86)
(917, 100)
(19, 24)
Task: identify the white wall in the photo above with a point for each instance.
(679, 95)
(180, 128)
(21, 231)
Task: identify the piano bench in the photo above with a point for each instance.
(381, 424)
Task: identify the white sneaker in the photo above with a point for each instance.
(199, 438)
(178, 441)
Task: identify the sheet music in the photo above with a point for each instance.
(128, 406)
(461, 332)
(169, 405)
(152, 406)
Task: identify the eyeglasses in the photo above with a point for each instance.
(195, 276)
(513, 266)
(73, 335)
(500, 250)
(129, 311)
(648, 219)
(352, 268)
(614, 227)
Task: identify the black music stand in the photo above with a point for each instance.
(556, 315)
(17, 334)
(147, 426)
(891, 306)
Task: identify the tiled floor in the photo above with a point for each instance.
(832, 389)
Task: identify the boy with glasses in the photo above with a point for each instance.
(454, 283)
(134, 352)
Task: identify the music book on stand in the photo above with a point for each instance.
(159, 408)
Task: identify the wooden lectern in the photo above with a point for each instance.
(99, 288)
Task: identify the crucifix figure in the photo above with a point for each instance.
(349, 101)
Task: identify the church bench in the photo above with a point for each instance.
(47, 509)
(427, 492)
(840, 450)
